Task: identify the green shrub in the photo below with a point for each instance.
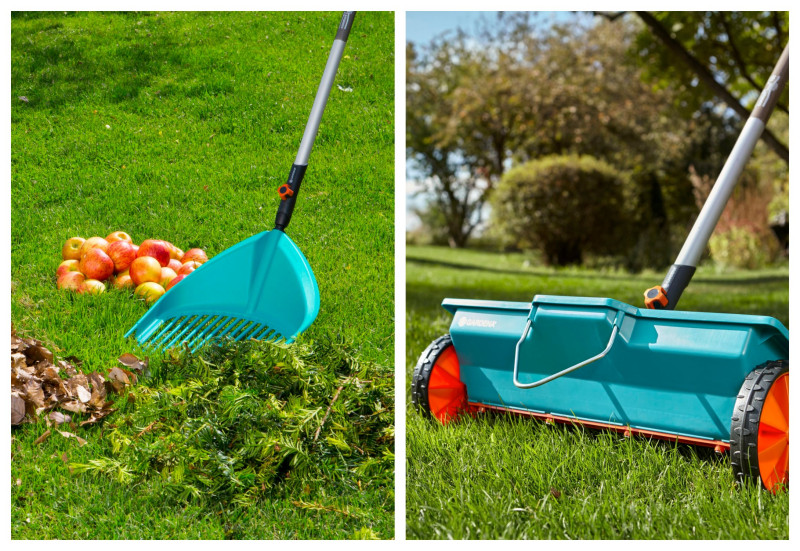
(740, 247)
(565, 206)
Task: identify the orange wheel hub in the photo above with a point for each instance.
(773, 435)
(447, 395)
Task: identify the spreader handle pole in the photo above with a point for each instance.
(291, 188)
(666, 297)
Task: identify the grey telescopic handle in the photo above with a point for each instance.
(290, 190)
(709, 215)
(680, 273)
(324, 89)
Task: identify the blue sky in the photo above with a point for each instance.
(422, 26)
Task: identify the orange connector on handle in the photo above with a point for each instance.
(655, 298)
(285, 191)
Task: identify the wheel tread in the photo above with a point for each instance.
(744, 425)
(422, 373)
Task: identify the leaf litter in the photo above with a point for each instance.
(40, 387)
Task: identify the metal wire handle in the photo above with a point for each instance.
(614, 331)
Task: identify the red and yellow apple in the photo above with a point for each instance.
(123, 282)
(67, 266)
(94, 243)
(175, 281)
(188, 267)
(197, 255)
(72, 248)
(174, 252)
(167, 275)
(149, 291)
(96, 264)
(174, 264)
(122, 253)
(156, 249)
(71, 281)
(145, 269)
(118, 236)
(92, 287)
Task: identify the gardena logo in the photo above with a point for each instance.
(472, 322)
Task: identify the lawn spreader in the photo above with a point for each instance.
(707, 379)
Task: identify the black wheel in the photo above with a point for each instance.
(760, 427)
(436, 387)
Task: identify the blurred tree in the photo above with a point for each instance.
(447, 175)
(729, 55)
(477, 105)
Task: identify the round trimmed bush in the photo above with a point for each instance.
(566, 206)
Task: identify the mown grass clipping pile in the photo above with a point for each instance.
(249, 418)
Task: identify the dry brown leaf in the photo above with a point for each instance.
(45, 435)
(37, 353)
(59, 418)
(118, 379)
(68, 368)
(18, 360)
(64, 457)
(66, 434)
(133, 363)
(17, 409)
(73, 405)
(97, 415)
(83, 394)
(74, 382)
(34, 393)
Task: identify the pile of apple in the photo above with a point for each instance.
(150, 269)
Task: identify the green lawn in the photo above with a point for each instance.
(510, 477)
(181, 126)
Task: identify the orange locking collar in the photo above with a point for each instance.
(285, 191)
(655, 298)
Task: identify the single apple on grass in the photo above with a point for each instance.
(122, 253)
(175, 281)
(68, 266)
(167, 275)
(72, 248)
(156, 249)
(123, 282)
(145, 269)
(197, 255)
(149, 291)
(71, 281)
(118, 236)
(189, 267)
(94, 243)
(96, 264)
(92, 287)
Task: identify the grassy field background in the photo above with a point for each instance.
(181, 126)
(500, 476)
